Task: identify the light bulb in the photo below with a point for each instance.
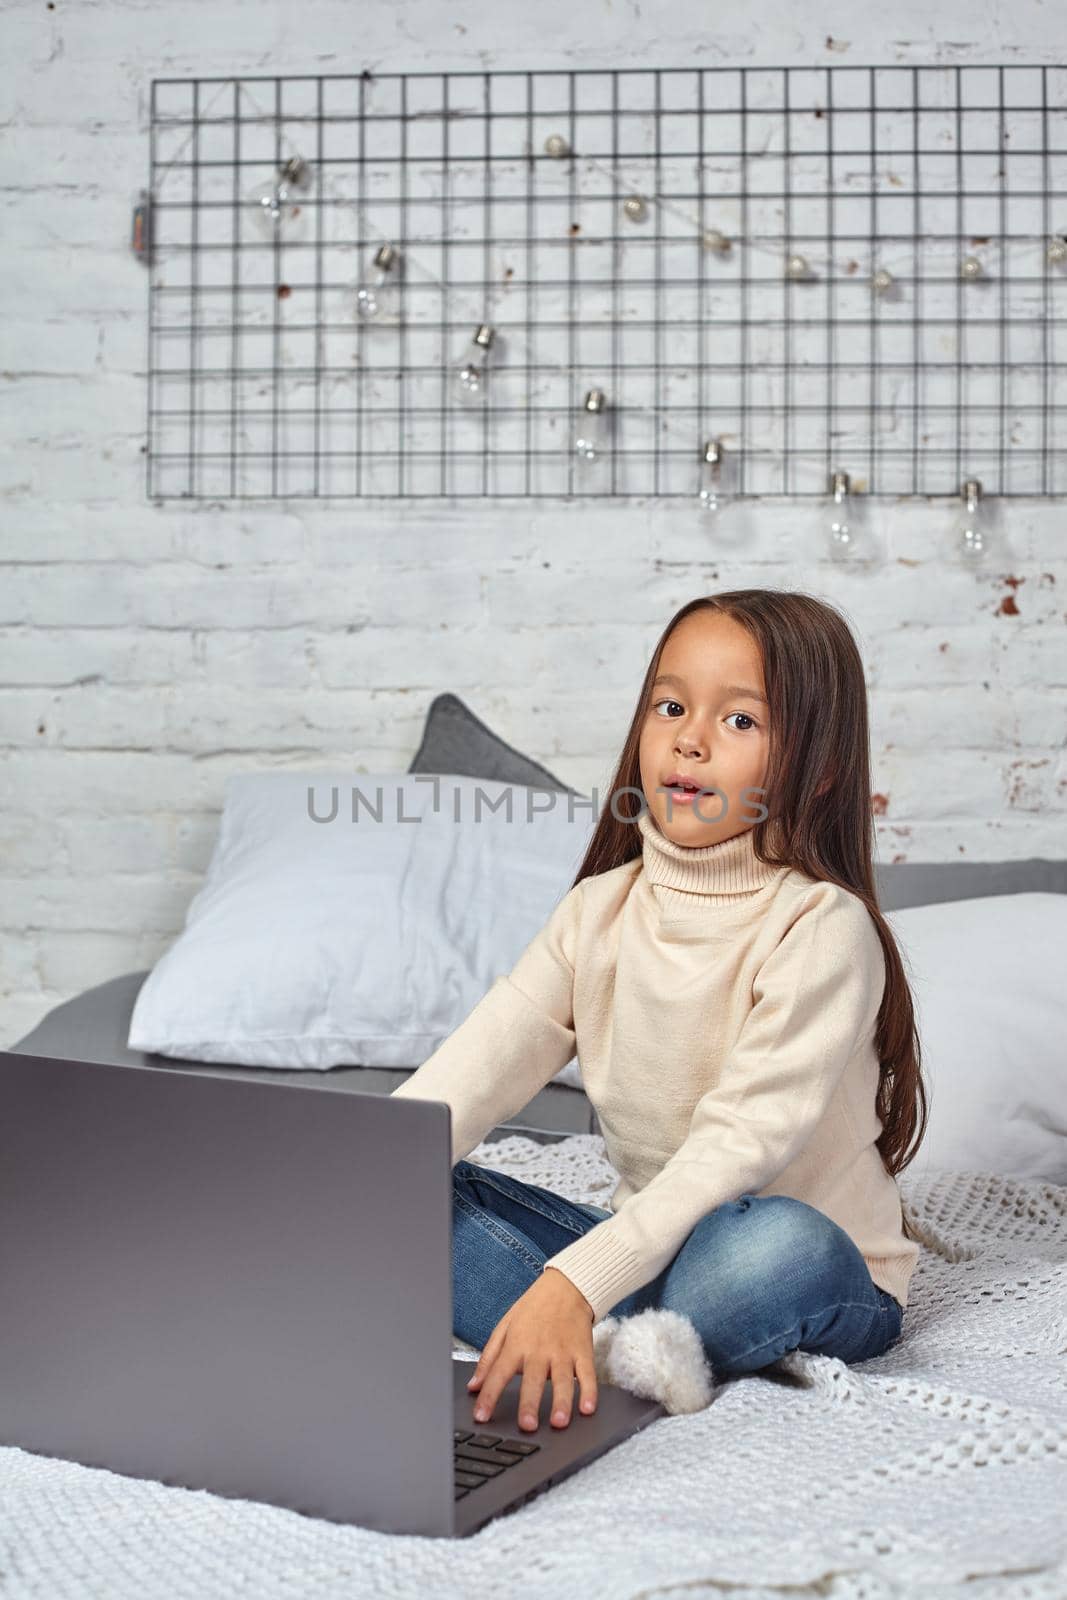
(592, 434)
(798, 268)
(277, 209)
(882, 281)
(972, 534)
(710, 496)
(971, 269)
(1056, 252)
(377, 296)
(471, 382)
(844, 527)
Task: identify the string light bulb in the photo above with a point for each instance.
(471, 385)
(592, 437)
(797, 267)
(276, 205)
(1056, 252)
(710, 497)
(376, 297)
(882, 281)
(972, 539)
(844, 525)
(971, 268)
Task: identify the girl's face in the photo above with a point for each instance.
(707, 722)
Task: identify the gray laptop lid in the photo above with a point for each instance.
(187, 1265)
(239, 1286)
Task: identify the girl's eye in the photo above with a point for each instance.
(750, 720)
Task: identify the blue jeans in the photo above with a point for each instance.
(756, 1277)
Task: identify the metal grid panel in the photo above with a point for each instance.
(264, 383)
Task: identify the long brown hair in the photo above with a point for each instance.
(820, 819)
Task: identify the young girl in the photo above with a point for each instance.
(743, 1024)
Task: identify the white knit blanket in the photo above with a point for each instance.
(938, 1469)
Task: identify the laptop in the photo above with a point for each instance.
(233, 1284)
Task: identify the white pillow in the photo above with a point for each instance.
(991, 1007)
(319, 943)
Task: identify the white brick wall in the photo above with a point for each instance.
(146, 653)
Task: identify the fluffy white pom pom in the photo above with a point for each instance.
(656, 1354)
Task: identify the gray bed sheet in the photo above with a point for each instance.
(94, 1025)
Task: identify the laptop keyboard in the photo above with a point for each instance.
(478, 1457)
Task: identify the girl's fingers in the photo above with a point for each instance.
(488, 1355)
(562, 1391)
(534, 1376)
(496, 1380)
(587, 1398)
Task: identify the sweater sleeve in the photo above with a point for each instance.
(518, 1036)
(816, 999)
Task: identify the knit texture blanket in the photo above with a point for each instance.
(938, 1469)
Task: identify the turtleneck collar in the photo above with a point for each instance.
(723, 873)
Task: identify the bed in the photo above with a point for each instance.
(937, 1469)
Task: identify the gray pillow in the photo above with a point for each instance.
(927, 883)
(455, 741)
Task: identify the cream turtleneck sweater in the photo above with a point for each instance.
(723, 1014)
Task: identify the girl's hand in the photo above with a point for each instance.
(549, 1330)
